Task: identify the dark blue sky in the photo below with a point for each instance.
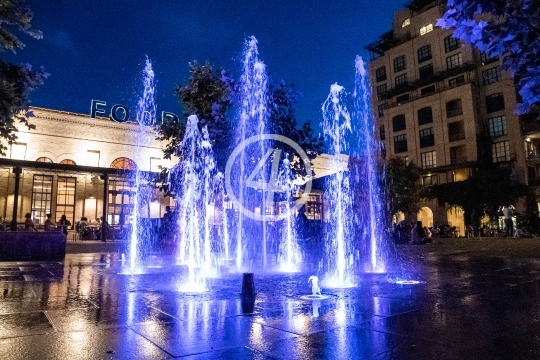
(95, 49)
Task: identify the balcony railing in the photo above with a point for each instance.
(417, 95)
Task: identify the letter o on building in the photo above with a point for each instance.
(119, 113)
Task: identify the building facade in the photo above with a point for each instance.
(79, 166)
(438, 103)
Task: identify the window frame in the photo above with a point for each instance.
(400, 63)
(380, 74)
(41, 200)
(399, 123)
(428, 159)
(451, 43)
(491, 75)
(497, 156)
(498, 126)
(424, 53)
(454, 61)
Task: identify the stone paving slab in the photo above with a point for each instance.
(473, 304)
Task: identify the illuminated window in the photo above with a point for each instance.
(18, 151)
(65, 198)
(41, 197)
(406, 22)
(425, 29)
(501, 151)
(124, 163)
(44, 159)
(92, 158)
(68, 162)
(428, 160)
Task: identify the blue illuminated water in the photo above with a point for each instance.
(251, 235)
(338, 264)
(141, 228)
(374, 249)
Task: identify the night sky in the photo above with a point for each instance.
(96, 49)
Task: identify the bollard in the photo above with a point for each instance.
(248, 293)
(248, 285)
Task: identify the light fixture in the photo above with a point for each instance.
(91, 197)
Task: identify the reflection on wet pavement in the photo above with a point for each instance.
(83, 308)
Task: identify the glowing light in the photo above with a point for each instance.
(408, 282)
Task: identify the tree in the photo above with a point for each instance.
(483, 193)
(16, 81)
(207, 95)
(402, 186)
(282, 121)
(506, 28)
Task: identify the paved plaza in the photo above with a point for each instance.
(480, 300)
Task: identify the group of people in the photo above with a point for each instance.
(416, 233)
(92, 230)
(82, 227)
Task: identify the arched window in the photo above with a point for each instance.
(68, 162)
(44, 159)
(124, 163)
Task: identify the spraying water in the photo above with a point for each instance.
(375, 257)
(339, 249)
(193, 177)
(290, 257)
(253, 116)
(146, 114)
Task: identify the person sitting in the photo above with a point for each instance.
(418, 235)
(49, 224)
(28, 223)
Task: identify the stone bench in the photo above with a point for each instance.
(32, 245)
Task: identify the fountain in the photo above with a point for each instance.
(365, 185)
(193, 178)
(339, 261)
(289, 257)
(253, 116)
(141, 231)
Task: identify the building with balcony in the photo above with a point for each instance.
(438, 101)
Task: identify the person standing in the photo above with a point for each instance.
(63, 224)
(49, 224)
(508, 214)
(28, 223)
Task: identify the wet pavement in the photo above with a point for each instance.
(470, 306)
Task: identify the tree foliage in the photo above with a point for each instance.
(506, 28)
(402, 186)
(206, 95)
(483, 193)
(16, 81)
(283, 121)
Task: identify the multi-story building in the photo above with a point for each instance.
(438, 102)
